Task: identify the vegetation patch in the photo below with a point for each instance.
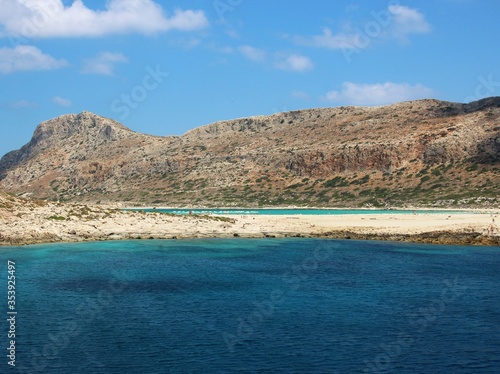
(57, 218)
(360, 181)
(336, 182)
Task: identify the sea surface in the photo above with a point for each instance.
(295, 211)
(252, 306)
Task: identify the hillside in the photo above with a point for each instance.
(424, 152)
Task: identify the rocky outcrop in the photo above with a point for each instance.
(425, 151)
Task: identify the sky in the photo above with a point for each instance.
(165, 67)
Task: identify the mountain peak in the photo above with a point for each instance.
(83, 119)
(84, 123)
(83, 130)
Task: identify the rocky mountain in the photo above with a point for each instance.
(424, 152)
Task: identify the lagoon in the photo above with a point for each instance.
(292, 211)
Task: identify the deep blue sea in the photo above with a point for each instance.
(252, 306)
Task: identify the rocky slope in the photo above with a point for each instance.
(424, 152)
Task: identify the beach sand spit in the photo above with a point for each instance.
(30, 223)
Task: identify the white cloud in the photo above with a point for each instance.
(51, 18)
(280, 60)
(295, 63)
(379, 93)
(103, 63)
(407, 21)
(62, 101)
(26, 58)
(328, 40)
(21, 104)
(300, 95)
(395, 22)
(252, 53)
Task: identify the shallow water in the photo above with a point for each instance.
(254, 306)
(309, 212)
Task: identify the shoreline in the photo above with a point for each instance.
(52, 223)
(391, 209)
(434, 238)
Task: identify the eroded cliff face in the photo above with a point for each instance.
(424, 152)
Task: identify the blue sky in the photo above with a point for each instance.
(164, 67)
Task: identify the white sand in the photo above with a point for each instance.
(31, 224)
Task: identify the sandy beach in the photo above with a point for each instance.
(30, 223)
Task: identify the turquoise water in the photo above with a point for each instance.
(249, 211)
(253, 306)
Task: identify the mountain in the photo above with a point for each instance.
(424, 152)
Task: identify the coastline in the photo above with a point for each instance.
(34, 224)
(370, 209)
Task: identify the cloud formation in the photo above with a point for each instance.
(329, 40)
(252, 53)
(378, 94)
(407, 21)
(395, 22)
(23, 104)
(296, 94)
(27, 58)
(282, 61)
(103, 63)
(296, 63)
(61, 101)
(52, 19)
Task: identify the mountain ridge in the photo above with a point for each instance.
(351, 156)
